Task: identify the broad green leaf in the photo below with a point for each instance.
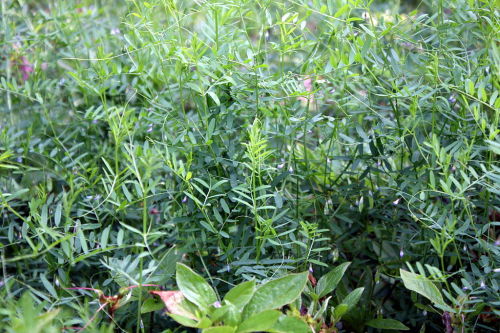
(328, 282)
(340, 310)
(194, 287)
(423, 286)
(353, 298)
(231, 315)
(276, 293)
(260, 322)
(152, 304)
(387, 324)
(204, 323)
(184, 321)
(218, 314)
(287, 324)
(348, 303)
(241, 294)
(220, 329)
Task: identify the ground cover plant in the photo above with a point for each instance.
(168, 166)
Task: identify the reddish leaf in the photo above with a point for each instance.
(173, 302)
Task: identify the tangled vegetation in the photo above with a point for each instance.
(327, 165)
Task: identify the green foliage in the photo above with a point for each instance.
(26, 317)
(245, 308)
(247, 140)
(194, 287)
(422, 285)
(387, 324)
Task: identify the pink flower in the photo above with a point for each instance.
(308, 85)
(154, 211)
(26, 68)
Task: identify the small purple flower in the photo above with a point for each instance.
(217, 304)
(497, 242)
(185, 199)
(482, 285)
(401, 253)
(290, 169)
(303, 310)
(311, 269)
(452, 99)
(280, 166)
(26, 68)
(95, 121)
(496, 270)
(115, 31)
(19, 159)
(396, 202)
(150, 128)
(446, 318)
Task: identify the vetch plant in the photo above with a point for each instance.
(250, 139)
(457, 307)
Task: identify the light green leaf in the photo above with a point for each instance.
(422, 285)
(387, 324)
(152, 304)
(353, 298)
(220, 329)
(277, 293)
(50, 288)
(204, 323)
(348, 303)
(214, 97)
(340, 310)
(231, 315)
(287, 324)
(259, 322)
(184, 321)
(194, 287)
(328, 282)
(241, 294)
